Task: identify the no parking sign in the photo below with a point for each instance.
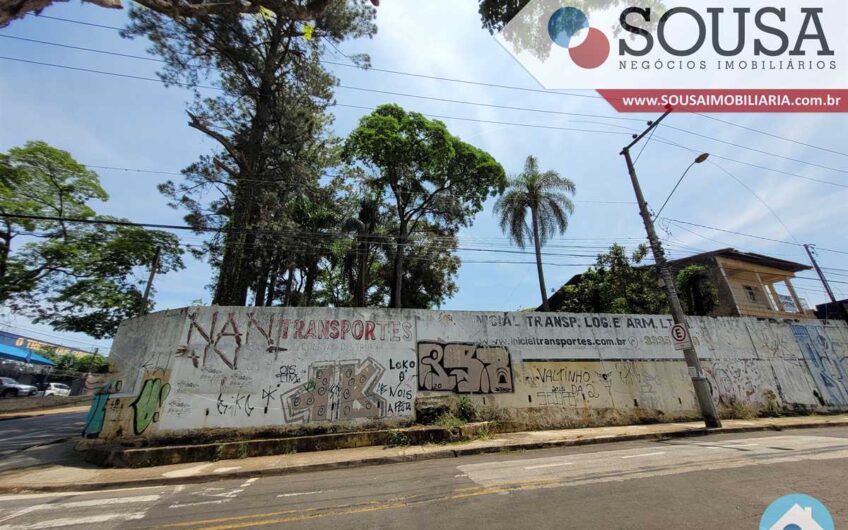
(680, 336)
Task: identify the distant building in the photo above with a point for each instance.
(36, 345)
(747, 284)
(833, 311)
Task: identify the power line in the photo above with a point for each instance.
(759, 131)
(326, 235)
(259, 181)
(763, 202)
(464, 102)
(80, 22)
(508, 87)
(437, 116)
(732, 232)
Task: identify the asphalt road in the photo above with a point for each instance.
(23, 433)
(723, 481)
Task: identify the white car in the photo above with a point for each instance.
(56, 389)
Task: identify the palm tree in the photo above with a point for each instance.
(546, 196)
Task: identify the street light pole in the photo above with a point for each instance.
(702, 390)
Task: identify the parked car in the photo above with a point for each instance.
(11, 388)
(56, 389)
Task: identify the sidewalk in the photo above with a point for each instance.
(59, 468)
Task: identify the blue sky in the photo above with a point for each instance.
(111, 121)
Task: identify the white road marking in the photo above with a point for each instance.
(183, 505)
(80, 504)
(248, 482)
(226, 469)
(181, 473)
(644, 455)
(549, 465)
(300, 493)
(24, 496)
(77, 521)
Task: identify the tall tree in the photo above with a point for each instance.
(360, 257)
(74, 276)
(268, 117)
(427, 175)
(545, 196)
(303, 11)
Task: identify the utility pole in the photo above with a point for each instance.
(153, 266)
(809, 249)
(702, 390)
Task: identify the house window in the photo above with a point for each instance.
(751, 293)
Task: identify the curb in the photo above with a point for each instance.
(444, 453)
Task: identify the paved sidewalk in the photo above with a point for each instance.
(64, 470)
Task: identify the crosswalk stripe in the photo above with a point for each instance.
(76, 521)
(80, 504)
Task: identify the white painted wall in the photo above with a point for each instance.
(213, 367)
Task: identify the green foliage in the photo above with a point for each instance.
(73, 276)
(465, 409)
(614, 285)
(618, 284)
(697, 292)
(270, 122)
(397, 439)
(545, 196)
(450, 421)
(429, 177)
(95, 364)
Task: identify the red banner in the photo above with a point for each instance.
(721, 100)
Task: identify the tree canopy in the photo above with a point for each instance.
(545, 196)
(269, 120)
(74, 275)
(427, 175)
(619, 283)
(300, 11)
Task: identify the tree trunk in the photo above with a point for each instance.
(397, 287)
(309, 286)
(233, 278)
(5, 249)
(289, 285)
(272, 286)
(545, 305)
(362, 276)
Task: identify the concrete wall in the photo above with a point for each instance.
(203, 368)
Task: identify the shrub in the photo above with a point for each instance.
(465, 409)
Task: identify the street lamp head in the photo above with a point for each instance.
(702, 158)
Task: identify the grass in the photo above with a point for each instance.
(449, 421)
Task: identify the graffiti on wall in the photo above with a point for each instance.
(147, 404)
(97, 413)
(343, 390)
(464, 368)
(827, 370)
